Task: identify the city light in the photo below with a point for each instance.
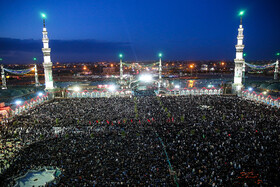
(76, 88)
(264, 93)
(177, 86)
(191, 66)
(160, 55)
(223, 63)
(250, 89)
(120, 55)
(18, 102)
(85, 68)
(146, 78)
(40, 94)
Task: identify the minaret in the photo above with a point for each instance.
(276, 70)
(37, 83)
(239, 61)
(121, 69)
(159, 70)
(4, 84)
(47, 58)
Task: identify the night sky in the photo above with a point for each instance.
(97, 30)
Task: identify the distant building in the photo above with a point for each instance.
(204, 67)
(109, 70)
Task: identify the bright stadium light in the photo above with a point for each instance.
(177, 86)
(210, 86)
(18, 102)
(250, 89)
(160, 55)
(76, 88)
(241, 13)
(146, 78)
(112, 88)
(43, 15)
(40, 94)
(120, 55)
(264, 93)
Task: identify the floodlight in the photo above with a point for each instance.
(112, 88)
(241, 13)
(40, 94)
(43, 15)
(18, 102)
(160, 55)
(146, 78)
(250, 89)
(210, 86)
(76, 89)
(177, 86)
(120, 55)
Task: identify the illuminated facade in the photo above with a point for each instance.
(47, 60)
(239, 60)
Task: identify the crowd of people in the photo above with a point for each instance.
(177, 140)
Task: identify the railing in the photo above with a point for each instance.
(27, 105)
(260, 97)
(97, 93)
(193, 91)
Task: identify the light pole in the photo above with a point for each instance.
(243, 67)
(37, 83)
(191, 66)
(4, 84)
(121, 69)
(276, 67)
(159, 71)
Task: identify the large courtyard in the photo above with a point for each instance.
(182, 140)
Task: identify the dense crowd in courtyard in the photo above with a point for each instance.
(161, 141)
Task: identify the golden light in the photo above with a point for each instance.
(75, 66)
(223, 63)
(191, 66)
(8, 77)
(85, 68)
(166, 64)
(112, 65)
(190, 85)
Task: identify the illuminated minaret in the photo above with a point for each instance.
(121, 69)
(239, 60)
(3, 77)
(276, 70)
(47, 58)
(159, 71)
